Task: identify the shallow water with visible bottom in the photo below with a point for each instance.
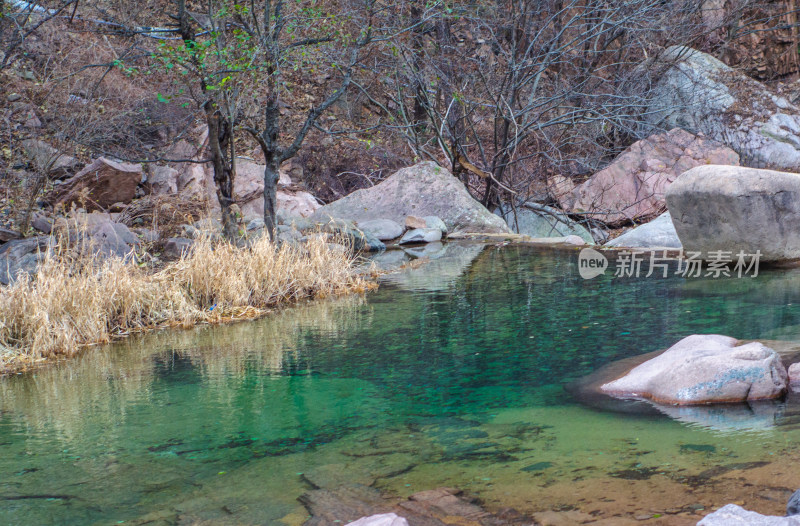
(452, 375)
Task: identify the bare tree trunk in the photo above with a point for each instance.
(220, 140)
(271, 177)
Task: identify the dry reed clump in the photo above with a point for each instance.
(75, 301)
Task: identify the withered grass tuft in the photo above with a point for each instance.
(75, 301)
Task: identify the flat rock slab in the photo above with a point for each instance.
(733, 515)
(703, 369)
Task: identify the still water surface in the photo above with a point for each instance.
(452, 375)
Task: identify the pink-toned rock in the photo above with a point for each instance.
(633, 186)
(198, 180)
(794, 377)
(560, 187)
(164, 180)
(297, 203)
(704, 369)
(101, 184)
(249, 188)
(413, 222)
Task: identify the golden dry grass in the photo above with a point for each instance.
(73, 302)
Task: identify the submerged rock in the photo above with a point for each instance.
(733, 209)
(702, 369)
(733, 515)
(441, 272)
(384, 519)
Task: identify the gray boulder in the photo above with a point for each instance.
(175, 247)
(7, 234)
(49, 160)
(435, 222)
(357, 239)
(704, 96)
(425, 189)
(543, 221)
(97, 233)
(733, 209)
(733, 515)
(383, 229)
(658, 233)
(111, 240)
(421, 235)
(631, 188)
(21, 255)
(362, 241)
(256, 224)
(702, 369)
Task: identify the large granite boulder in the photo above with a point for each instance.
(733, 209)
(100, 184)
(734, 515)
(703, 369)
(704, 96)
(632, 187)
(425, 189)
(658, 233)
(541, 221)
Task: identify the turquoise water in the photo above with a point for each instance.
(451, 375)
